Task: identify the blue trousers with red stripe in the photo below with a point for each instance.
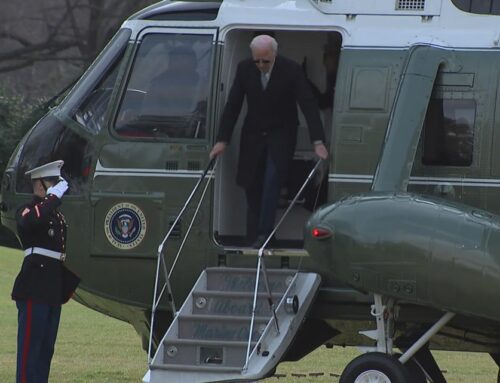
(37, 332)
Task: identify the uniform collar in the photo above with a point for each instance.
(37, 199)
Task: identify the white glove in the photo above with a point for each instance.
(58, 189)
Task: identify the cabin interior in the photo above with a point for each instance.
(318, 52)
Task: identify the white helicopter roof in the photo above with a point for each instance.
(374, 23)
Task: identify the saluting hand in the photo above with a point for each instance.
(58, 189)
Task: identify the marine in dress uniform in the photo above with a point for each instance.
(44, 283)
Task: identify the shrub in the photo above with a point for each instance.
(16, 118)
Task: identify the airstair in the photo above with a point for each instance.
(236, 323)
(209, 338)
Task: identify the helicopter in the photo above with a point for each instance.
(390, 245)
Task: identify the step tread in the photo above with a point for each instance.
(202, 342)
(234, 294)
(232, 318)
(243, 270)
(274, 252)
(194, 368)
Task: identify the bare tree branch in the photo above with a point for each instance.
(12, 36)
(67, 33)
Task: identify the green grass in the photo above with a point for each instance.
(91, 347)
(94, 348)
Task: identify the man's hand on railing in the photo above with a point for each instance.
(218, 148)
(320, 150)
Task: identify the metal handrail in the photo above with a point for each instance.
(160, 256)
(261, 264)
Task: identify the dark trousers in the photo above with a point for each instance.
(262, 199)
(37, 331)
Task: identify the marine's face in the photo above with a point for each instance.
(38, 188)
(263, 58)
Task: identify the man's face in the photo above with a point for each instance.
(263, 58)
(38, 188)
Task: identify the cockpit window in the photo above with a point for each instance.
(167, 92)
(449, 132)
(88, 102)
(51, 140)
(92, 112)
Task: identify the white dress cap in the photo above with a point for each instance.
(52, 169)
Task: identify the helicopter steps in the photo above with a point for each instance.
(208, 339)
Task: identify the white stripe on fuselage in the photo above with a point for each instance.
(102, 171)
(455, 181)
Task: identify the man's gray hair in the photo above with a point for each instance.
(264, 41)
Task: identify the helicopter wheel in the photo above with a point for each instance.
(375, 367)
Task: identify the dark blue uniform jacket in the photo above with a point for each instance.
(43, 279)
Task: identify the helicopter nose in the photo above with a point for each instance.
(5, 187)
(8, 198)
(6, 181)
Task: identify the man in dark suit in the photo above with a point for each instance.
(273, 86)
(44, 283)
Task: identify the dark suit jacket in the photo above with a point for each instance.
(271, 122)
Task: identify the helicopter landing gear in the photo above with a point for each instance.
(375, 367)
(416, 370)
(379, 364)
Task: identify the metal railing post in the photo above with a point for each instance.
(161, 259)
(261, 265)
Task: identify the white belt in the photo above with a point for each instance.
(48, 253)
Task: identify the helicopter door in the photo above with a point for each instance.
(156, 148)
(318, 52)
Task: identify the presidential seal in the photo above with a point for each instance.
(125, 226)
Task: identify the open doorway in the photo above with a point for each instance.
(318, 52)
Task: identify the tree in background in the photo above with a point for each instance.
(44, 45)
(16, 118)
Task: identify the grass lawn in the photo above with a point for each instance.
(91, 347)
(94, 348)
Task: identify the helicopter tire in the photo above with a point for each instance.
(375, 366)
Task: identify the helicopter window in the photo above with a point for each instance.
(449, 132)
(166, 95)
(88, 102)
(51, 140)
(484, 7)
(92, 112)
